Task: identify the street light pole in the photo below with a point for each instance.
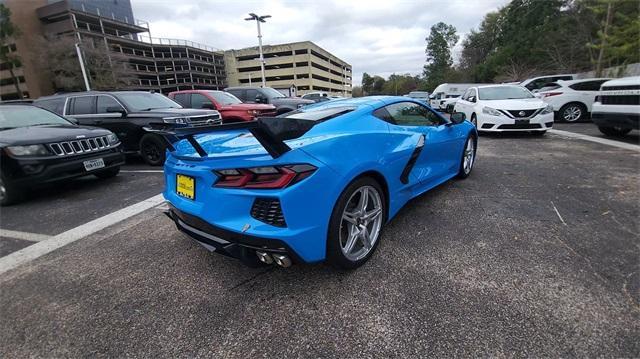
(84, 72)
(258, 20)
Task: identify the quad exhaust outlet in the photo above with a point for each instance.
(264, 257)
(281, 259)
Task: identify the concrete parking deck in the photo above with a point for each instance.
(536, 254)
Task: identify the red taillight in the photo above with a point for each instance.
(549, 94)
(263, 177)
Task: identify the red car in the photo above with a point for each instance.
(229, 106)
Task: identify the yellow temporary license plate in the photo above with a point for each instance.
(186, 186)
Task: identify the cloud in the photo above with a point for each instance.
(377, 37)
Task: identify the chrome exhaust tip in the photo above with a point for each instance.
(282, 260)
(264, 257)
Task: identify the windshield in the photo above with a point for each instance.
(271, 93)
(145, 101)
(224, 98)
(503, 93)
(25, 116)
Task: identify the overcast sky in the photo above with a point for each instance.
(377, 37)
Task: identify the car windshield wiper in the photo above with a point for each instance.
(155, 108)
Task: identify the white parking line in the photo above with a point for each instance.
(603, 141)
(41, 248)
(141, 171)
(32, 237)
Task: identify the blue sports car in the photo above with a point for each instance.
(313, 184)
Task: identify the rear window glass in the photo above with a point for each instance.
(318, 115)
(83, 105)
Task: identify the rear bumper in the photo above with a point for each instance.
(222, 241)
(622, 120)
(28, 173)
(228, 212)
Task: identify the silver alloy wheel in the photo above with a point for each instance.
(469, 156)
(572, 113)
(3, 191)
(361, 222)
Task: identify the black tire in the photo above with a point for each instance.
(108, 173)
(152, 149)
(335, 256)
(573, 107)
(474, 120)
(462, 172)
(9, 194)
(538, 133)
(614, 131)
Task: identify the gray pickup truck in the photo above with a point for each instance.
(268, 95)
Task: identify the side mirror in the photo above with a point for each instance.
(259, 99)
(458, 117)
(472, 99)
(209, 106)
(116, 109)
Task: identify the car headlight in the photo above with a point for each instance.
(548, 109)
(253, 112)
(176, 120)
(113, 139)
(491, 111)
(30, 150)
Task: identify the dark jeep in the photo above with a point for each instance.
(126, 113)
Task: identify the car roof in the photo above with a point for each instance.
(242, 87)
(86, 93)
(192, 91)
(633, 80)
(498, 85)
(361, 102)
(571, 82)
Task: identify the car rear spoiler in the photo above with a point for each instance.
(270, 132)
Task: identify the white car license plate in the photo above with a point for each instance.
(91, 165)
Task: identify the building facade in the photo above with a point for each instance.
(303, 65)
(162, 65)
(158, 64)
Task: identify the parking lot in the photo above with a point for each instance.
(536, 254)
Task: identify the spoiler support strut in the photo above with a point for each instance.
(272, 143)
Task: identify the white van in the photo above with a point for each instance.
(438, 99)
(617, 108)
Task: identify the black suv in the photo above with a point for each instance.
(268, 95)
(39, 147)
(126, 113)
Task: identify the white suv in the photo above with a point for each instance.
(571, 100)
(617, 108)
(500, 108)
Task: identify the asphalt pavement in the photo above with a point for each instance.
(589, 128)
(535, 254)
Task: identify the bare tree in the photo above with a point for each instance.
(107, 70)
(516, 70)
(8, 33)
